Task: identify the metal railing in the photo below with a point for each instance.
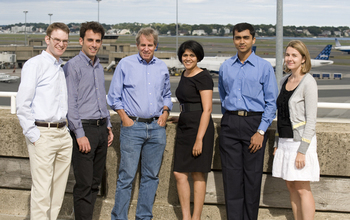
(11, 95)
(326, 105)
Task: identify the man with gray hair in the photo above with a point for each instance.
(140, 94)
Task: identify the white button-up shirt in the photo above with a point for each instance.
(42, 94)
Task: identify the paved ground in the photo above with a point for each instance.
(17, 217)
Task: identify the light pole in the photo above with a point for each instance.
(177, 27)
(25, 27)
(279, 40)
(98, 10)
(50, 17)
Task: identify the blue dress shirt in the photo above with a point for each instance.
(42, 94)
(86, 92)
(250, 86)
(142, 89)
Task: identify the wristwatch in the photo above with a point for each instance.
(261, 132)
(166, 110)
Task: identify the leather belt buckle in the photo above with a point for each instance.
(98, 122)
(182, 107)
(242, 113)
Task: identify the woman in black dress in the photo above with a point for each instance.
(195, 130)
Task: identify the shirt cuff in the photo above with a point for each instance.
(263, 126)
(34, 135)
(79, 133)
(303, 147)
(169, 105)
(109, 125)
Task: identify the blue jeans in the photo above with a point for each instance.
(145, 140)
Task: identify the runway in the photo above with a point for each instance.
(330, 90)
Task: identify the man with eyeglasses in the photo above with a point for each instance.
(88, 119)
(41, 109)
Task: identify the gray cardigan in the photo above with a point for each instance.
(302, 111)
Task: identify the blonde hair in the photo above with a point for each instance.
(301, 48)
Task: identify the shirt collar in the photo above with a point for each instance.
(141, 60)
(52, 58)
(252, 59)
(87, 59)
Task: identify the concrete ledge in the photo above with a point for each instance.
(15, 174)
(161, 211)
(332, 194)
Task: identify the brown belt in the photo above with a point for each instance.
(50, 125)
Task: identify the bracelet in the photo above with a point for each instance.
(166, 110)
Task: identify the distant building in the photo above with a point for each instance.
(259, 30)
(326, 33)
(271, 30)
(227, 30)
(17, 29)
(306, 32)
(198, 32)
(337, 33)
(40, 30)
(124, 31)
(346, 33)
(112, 31)
(214, 31)
(184, 32)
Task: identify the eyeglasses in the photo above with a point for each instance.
(57, 41)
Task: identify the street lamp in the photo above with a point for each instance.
(50, 17)
(25, 27)
(177, 26)
(98, 10)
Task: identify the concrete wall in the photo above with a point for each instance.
(332, 193)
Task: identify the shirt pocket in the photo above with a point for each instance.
(251, 88)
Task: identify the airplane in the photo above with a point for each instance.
(7, 78)
(338, 46)
(213, 63)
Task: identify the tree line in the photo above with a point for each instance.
(186, 29)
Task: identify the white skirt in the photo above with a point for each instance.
(284, 161)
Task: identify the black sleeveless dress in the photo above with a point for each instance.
(187, 128)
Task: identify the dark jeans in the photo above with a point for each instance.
(88, 170)
(241, 170)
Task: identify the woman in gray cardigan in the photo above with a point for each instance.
(295, 153)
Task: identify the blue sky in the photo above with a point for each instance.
(296, 12)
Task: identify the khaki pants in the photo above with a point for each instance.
(50, 160)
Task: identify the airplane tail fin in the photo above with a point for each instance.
(324, 55)
(337, 43)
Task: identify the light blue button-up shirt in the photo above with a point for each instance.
(42, 94)
(142, 89)
(86, 92)
(250, 86)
